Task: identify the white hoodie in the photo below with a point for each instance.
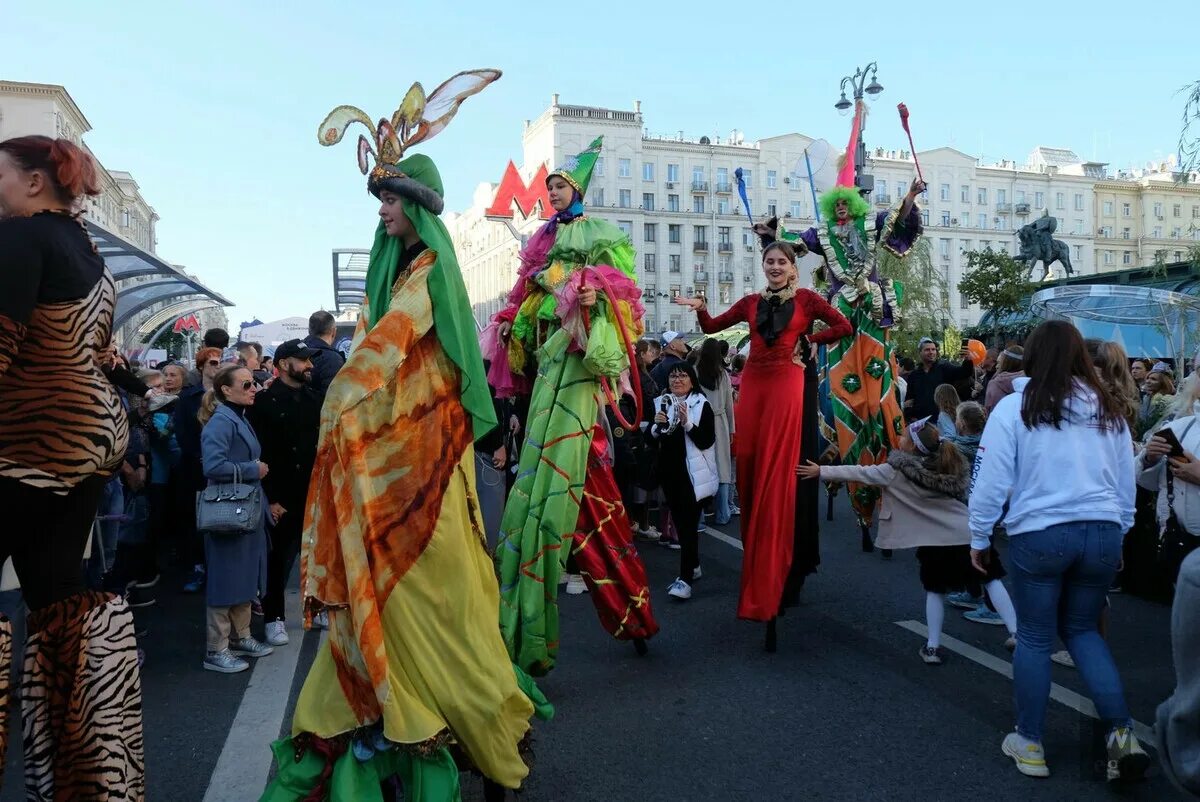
(1079, 472)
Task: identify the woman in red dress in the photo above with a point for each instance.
(770, 420)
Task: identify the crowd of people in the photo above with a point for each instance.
(439, 486)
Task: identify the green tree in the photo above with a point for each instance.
(996, 282)
(1189, 134)
(926, 300)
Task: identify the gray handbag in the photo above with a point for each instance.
(230, 509)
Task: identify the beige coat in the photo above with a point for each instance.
(721, 401)
(919, 507)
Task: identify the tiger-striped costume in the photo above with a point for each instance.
(62, 430)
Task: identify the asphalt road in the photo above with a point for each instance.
(845, 710)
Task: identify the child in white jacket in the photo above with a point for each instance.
(924, 506)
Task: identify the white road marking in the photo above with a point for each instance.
(245, 761)
(724, 538)
(1058, 693)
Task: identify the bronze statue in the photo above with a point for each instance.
(1038, 244)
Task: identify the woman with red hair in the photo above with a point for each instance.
(63, 433)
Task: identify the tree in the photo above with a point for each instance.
(996, 282)
(1189, 137)
(926, 301)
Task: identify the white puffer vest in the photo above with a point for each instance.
(701, 463)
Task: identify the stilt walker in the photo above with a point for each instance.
(393, 548)
(569, 329)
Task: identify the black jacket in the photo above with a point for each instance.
(663, 369)
(288, 423)
(187, 434)
(922, 384)
(327, 361)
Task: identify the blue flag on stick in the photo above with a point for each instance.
(741, 182)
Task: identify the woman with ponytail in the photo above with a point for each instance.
(925, 485)
(63, 434)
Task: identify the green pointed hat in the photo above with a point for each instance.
(577, 170)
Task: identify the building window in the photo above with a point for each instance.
(1078, 202)
(722, 176)
(1020, 198)
(985, 245)
(672, 172)
(963, 303)
(673, 261)
(625, 198)
(624, 168)
(698, 175)
(983, 219)
(626, 227)
(1078, 226)
(1178, 256)
(1002, 196)
(965, 194)
(650, 265)
(722, 205)
(647, 171)
(648, 201)
(1126, 211)
(698, 204)
(1177, 210)
(1108, 208)
(1126, 257)
(944, 192)
(1106, 231)
(672, 203)
(650, 232)
(597, 196)
(723, 233)
(1003, 247)
(1156, 233)
(599, 165)
(796, 210)
(771, 208)
(1060, 201)
(700, 233)
(1039, 200)
(748, 177)
(1176, 232)
(726, 292)
(674, 233)
(925, 217)
(1158, 210)
(772, 179)
(945, 217)
(1125, 233)
(674, 293)
(1195, 212)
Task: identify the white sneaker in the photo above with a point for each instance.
(575, 585)
(650, 533)
(696, 573)
(1027, 754)
(277, 633)
(249, 647)
(734, 510)
(224, 662)
(1063, 658)
(321, 620)
(680, 590)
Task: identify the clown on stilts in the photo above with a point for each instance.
(566, 339)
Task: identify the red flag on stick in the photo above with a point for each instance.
(904, 122)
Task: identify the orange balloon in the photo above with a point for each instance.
(978, 351)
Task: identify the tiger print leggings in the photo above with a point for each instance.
(81, 699)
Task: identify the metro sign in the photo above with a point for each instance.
(186, 323)
(526, 197)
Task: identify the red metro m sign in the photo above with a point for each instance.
(513, 190)
(186, 323)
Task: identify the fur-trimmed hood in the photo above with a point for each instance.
(918, 471)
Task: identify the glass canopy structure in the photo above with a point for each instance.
(349, 277)
(149, 291)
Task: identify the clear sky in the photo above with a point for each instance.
(214, 109)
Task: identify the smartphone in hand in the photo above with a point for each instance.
(1173, 441)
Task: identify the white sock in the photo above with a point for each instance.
(1003, 604)
(935, 616)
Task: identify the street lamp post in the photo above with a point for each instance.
(859, 87)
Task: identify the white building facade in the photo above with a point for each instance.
(677, 199)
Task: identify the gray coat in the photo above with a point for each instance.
(237, 564)
(1178, 724)
(721, 401)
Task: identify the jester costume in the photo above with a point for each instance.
(393, 546)
(863, 416)
(565, 495)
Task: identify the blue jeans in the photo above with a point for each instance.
(112, 503)
(722, 514)
(1061, 577)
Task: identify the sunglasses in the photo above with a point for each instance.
(214, 363)
(246, 385)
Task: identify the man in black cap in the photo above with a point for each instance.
(931, 372)
(287, 419)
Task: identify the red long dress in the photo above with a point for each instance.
(770, 416)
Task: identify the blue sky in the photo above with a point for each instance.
(215, 111)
